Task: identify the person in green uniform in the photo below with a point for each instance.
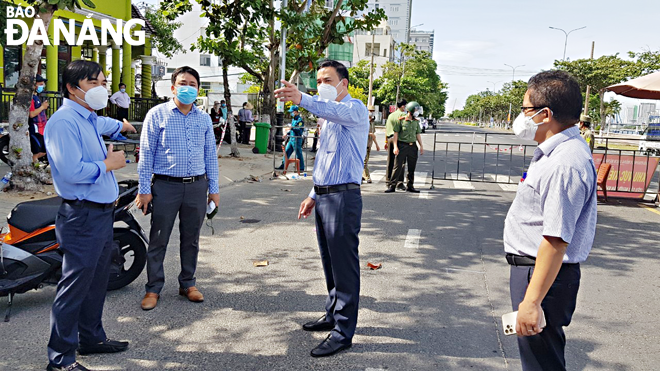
(372, 140)
(406, 132)
(585, 131)
(393, 119)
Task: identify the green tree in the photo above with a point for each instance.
(163, 40)
(26, 176)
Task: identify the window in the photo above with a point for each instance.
(394, 8)
(171, 70)
(385, 53)
(12, 65)
(205, 60)
(377, 6)
(206, 85)
(368, 49)
(394, 22)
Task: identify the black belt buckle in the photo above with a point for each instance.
(520, 261)
(189, 179)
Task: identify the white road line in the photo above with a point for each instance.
(420, 178)
(424, 195)
(412, 239)
(501, 178)
(460, 176)
(463, 185)
(509, 187)
(377, 176)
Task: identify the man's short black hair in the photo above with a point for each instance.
(559, 91)
(402, 103)
(586, 124)
(244, 104)
(342, 71)
(185, 69)
(77, 71)
(223, 101)
(121, 84)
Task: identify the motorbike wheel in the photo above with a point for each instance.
(130, 260)
(4, 149)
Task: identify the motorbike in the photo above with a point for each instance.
(30, 255)
(4, 151)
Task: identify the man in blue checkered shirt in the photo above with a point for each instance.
(178, 166)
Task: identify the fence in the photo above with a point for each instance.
(501, 158)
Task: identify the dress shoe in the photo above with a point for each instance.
(192, 294)
(412, 189)
(75, 366)
(328, 347)
(150, 300)
(400, 187)
(390, 190)
(320, 324)
(369, 180)
(107, 346)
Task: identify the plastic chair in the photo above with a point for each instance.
(603, 173)
(288, 161)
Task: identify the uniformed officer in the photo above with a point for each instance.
(392, 119)
(366, 175)
(585, 131)
(406, 131)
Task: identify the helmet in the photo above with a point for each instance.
(293, 108)
(412, 106)
(585, 118)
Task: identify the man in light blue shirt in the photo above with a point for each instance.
(178, 166)
(550, 227)
(83, 176)
(337, 199)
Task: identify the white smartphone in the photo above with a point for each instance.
(509, 322)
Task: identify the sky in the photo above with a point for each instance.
(475, 38)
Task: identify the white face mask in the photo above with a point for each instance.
(328, 92)
(416, 114)
(524, 127)
(96, 98)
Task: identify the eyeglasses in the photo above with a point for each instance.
(523, 108)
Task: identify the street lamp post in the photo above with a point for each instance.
(513, 76)
(494, 85)
(566, 40)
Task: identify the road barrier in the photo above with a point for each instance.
(280, 153)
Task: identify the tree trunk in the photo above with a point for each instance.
(230, 114)
(602, 108)
(25, 176)
(269, 85)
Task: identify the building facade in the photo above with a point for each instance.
(398, 16)
(423, 40)
(383, 47)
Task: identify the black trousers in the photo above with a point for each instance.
(545, 351)
(338, 223)
(122, 113)
(408, 152)
(188, 201)
(85, 238)
(244, 132)
(390, 162)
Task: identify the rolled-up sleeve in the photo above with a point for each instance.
(342, 113)
(562, 200)
(211, 158)
(148, 144)
(64, 147)
(108, 126)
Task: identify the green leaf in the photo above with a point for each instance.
(89, 4)
(53, 2)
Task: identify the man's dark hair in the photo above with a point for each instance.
(559, 91)
(342, 71)
(223, 101)
(244, 104)
(402, 103)
(77, 71)
(185, 69)
(121, 84)
(586, 124)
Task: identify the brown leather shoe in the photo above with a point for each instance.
(192, 294)
(150, 300)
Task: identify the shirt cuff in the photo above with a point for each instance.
(312, 194)
(144, 188)
(102, 170)
(305, 101)
(116, 133)
(213, 188)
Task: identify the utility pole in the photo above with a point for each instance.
(566, 40)
(371, 72)
(586, 99)
(280, 103)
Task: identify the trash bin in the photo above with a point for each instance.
(261, 136)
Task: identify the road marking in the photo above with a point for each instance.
(649, 208)
(412, 239)
(420, 178)
(460, 176)
(377, 176)
(503, 178)
(424, 195)
(463, 185)
(508, 187)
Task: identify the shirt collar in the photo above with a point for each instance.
(551, 143)
(172, 106)
(346, 98)
(82, 111)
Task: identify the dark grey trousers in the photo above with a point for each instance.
(170, 199)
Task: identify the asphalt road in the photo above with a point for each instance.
(434, 305)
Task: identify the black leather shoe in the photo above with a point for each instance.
(328, 347)
(281, 167)
(75, 366)
(401, 187)
(320, 324)
(390, 190)
(412, 189)
(108, 346)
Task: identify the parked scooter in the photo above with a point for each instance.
(30, 254)
(4, 151)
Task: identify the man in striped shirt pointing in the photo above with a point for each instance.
(550, 227)
(337, 199)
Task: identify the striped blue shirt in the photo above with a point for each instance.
(343, 140)
(557, 199)
(76, 152)
(177, 145)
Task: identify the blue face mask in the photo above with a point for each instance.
(186, 94)
(123, 90)
(40, 88)
(224, 105)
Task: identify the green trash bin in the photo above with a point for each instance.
(261, 136)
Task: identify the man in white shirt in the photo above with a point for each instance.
(122, 100)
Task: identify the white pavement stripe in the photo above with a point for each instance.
(460, 176)
(377, 176)
(509, 187)
(501, 178)
(463, 185)
(424, 195)
(420, 178)
(412, 239)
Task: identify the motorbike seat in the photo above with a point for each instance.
(31, 215)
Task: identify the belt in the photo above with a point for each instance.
(525, 261)
(90, 204)
(390, 136)
(321, 190)
(400, 143)
(189, 179)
